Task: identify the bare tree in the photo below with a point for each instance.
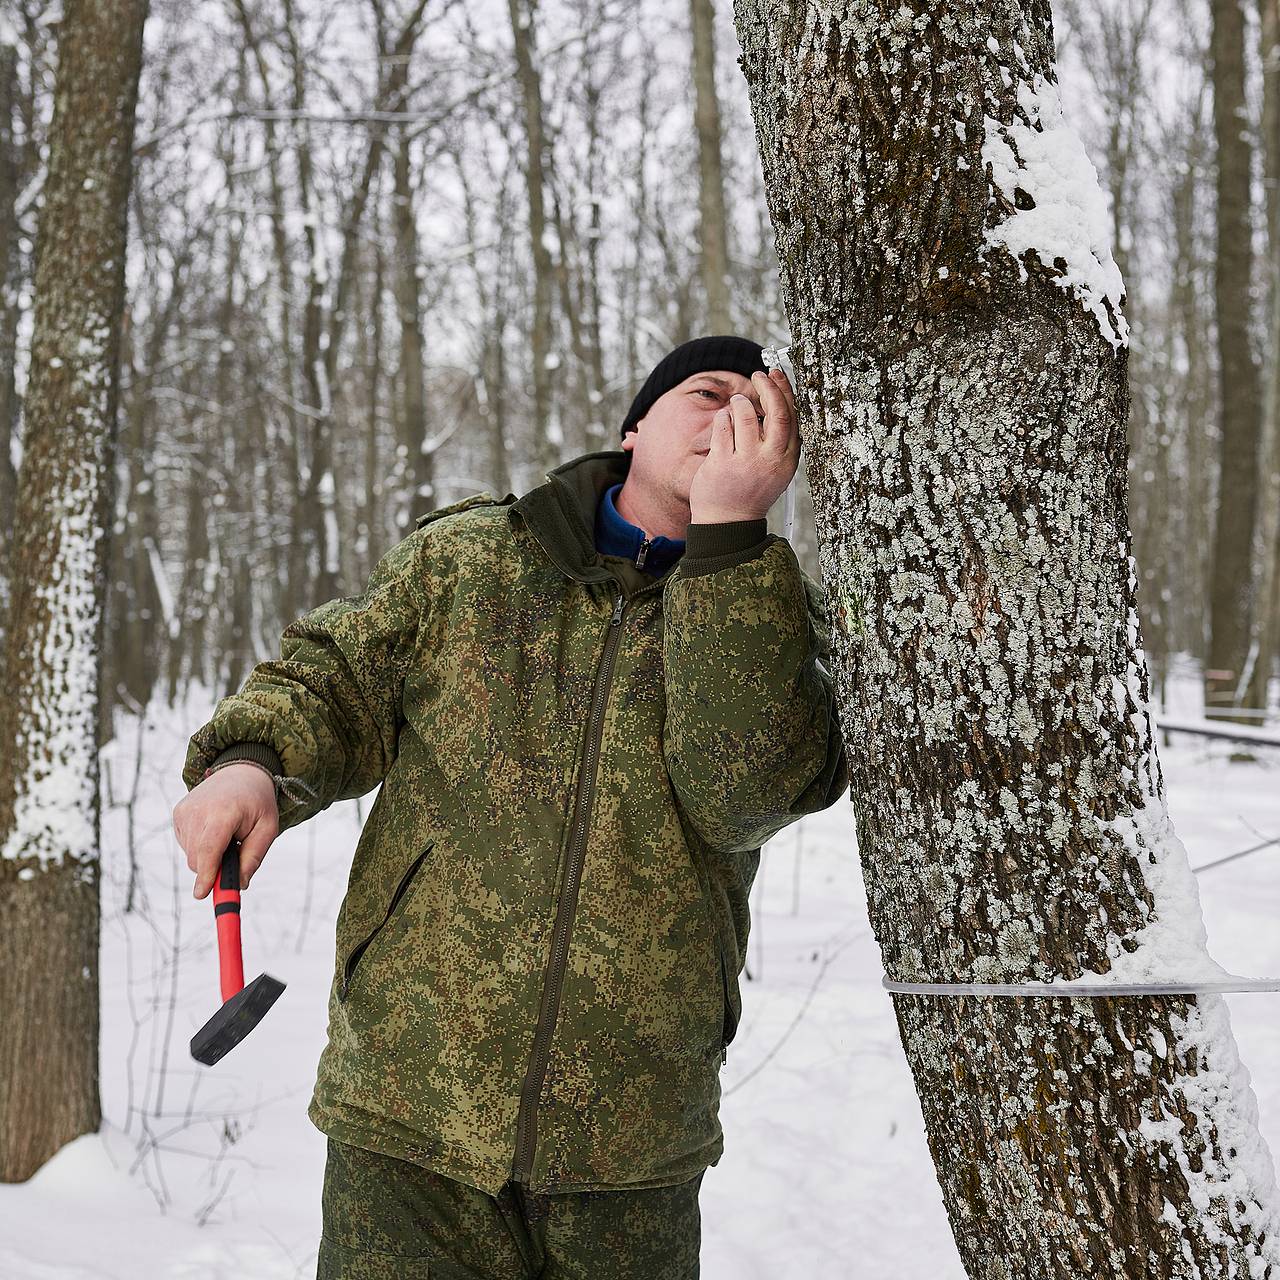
(1266, 628)
(26, 50)
(1185, 146)
(8, 293)
(962, 385)
(1230, 586)
(713, 238)
(49, 805)
(546, 440)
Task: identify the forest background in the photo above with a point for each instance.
(383, 255)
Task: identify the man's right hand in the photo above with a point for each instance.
(238, 800)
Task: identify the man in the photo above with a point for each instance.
(588, 708)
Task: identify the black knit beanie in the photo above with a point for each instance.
(698, 355)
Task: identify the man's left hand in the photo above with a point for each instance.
(750, 463)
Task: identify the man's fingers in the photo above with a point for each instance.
(746, 422)
(254, 850)
(779, 411)
(208, 864)
(722, 431)
(778, 377)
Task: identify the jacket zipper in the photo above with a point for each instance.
(348, 970)
(643, 552)
(549, 1009)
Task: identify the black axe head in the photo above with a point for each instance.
(237, 1017)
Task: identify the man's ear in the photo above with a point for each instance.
(628, 441)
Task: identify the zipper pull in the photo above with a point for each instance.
(617, 610)
(644, 551)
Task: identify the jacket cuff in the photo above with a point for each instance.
(710, 547)
(257, 752)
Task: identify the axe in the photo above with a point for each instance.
(242, 1007)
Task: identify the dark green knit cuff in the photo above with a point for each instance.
(258, 752)
(710, 547)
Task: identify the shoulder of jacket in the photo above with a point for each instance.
(482, 499)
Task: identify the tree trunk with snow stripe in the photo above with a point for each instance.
(961, 361)
(49, 861)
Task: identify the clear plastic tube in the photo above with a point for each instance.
(772, 357)
(1085, 990)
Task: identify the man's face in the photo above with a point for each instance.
(670, 442)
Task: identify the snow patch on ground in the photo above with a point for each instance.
(215, 1173)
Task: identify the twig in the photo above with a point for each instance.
(213, 1204)
(173, 991)
(795, 1022)
(1231, 857)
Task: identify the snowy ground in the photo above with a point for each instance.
(200, 1174)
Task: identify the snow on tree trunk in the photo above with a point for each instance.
(49, 863)
(961, 361)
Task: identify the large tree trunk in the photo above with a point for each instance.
(962, 383)
(49, 805)
(1230, 588)
(713, 222)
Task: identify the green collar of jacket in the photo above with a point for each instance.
(561, 515)
(561, 512)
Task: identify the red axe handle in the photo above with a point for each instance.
(226, 912)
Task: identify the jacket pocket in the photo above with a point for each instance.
(353, 960)
(729, 1028)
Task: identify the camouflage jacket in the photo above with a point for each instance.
(538, 952)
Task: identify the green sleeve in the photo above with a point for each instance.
(329, 708)
(752, 740)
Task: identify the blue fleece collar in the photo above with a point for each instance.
(616, 536)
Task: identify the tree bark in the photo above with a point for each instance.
(962, 386)
(713, 237)
(49, 803)
(1240, 414)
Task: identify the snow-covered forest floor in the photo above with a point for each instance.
(203, 1173)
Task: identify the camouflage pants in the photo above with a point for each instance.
(387, 1219)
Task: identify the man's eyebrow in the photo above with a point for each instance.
(724, 386)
